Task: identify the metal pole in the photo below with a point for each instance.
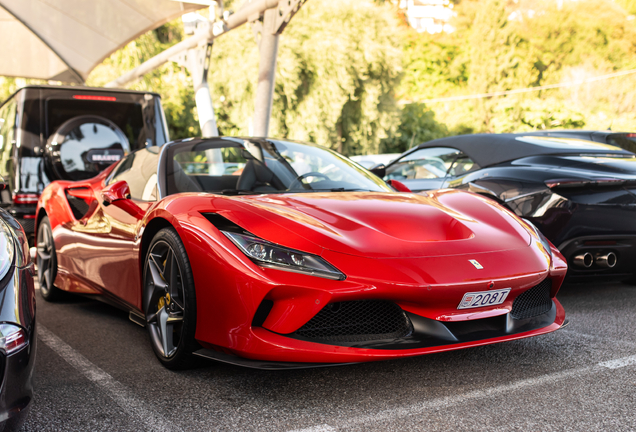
(251, 11)
(198, 65)
(268, 47)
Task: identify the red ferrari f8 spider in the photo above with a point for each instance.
(275, 254)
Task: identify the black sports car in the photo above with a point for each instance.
(17, 324)
(626, 140)
(580, 194)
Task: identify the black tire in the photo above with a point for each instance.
(47, 262)
(170, 301)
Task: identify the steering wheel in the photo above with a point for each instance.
(302, 176)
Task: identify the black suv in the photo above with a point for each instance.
(69, 133)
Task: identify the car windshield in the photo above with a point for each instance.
(233, 166)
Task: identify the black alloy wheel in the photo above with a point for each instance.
(170, 300)
(47, 261)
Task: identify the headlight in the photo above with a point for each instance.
(267, 254)
(12, 338)
(7, 249)
(544, 241)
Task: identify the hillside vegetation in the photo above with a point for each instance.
(352, 75)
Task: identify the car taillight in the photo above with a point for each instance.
(97, 98)
(25, 198)
(630, 135)
(12, 338)
(575, 183)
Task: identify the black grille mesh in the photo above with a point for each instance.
(357, 321)
(28, 225)
(534, 302)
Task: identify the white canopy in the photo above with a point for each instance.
(63, 40)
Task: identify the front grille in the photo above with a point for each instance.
(28, 225)
(357, 321)
(536, 301)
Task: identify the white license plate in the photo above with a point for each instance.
(483, 298)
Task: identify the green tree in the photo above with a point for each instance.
(495, 58)
(417, 124)
(338, 65)
(507, 45)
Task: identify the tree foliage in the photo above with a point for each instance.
(350, 73)
(416, 125)
(338, 65)
(503, 45)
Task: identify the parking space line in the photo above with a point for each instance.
(448, 401)
(113, 388)
(619, 363)
(320, 428)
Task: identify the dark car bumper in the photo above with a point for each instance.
(18, 308)
(622, 246)
(577, 228)
(17, 386)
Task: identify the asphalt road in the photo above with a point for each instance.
(96, 371)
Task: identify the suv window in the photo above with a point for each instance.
(127, 116)
(139, 169)
(7, 141)
(84, 146)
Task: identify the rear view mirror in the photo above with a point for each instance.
(118, 194)
(379, 170)
(398, 186)
(115, 192)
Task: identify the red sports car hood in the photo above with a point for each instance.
(380, 225)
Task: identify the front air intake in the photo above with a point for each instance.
(536, 301)
(357, 321)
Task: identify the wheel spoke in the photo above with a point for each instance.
(153, 260)
(166, 264)
(47, 278)
(159, 286)
(174, 318)
(152, 319)
(173, 277)
(165, 331)
(155, 274)
(44, 256)
(46, 236)
(177, 302)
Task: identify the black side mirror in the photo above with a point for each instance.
(379, 170)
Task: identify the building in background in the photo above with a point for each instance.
(430, 16)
